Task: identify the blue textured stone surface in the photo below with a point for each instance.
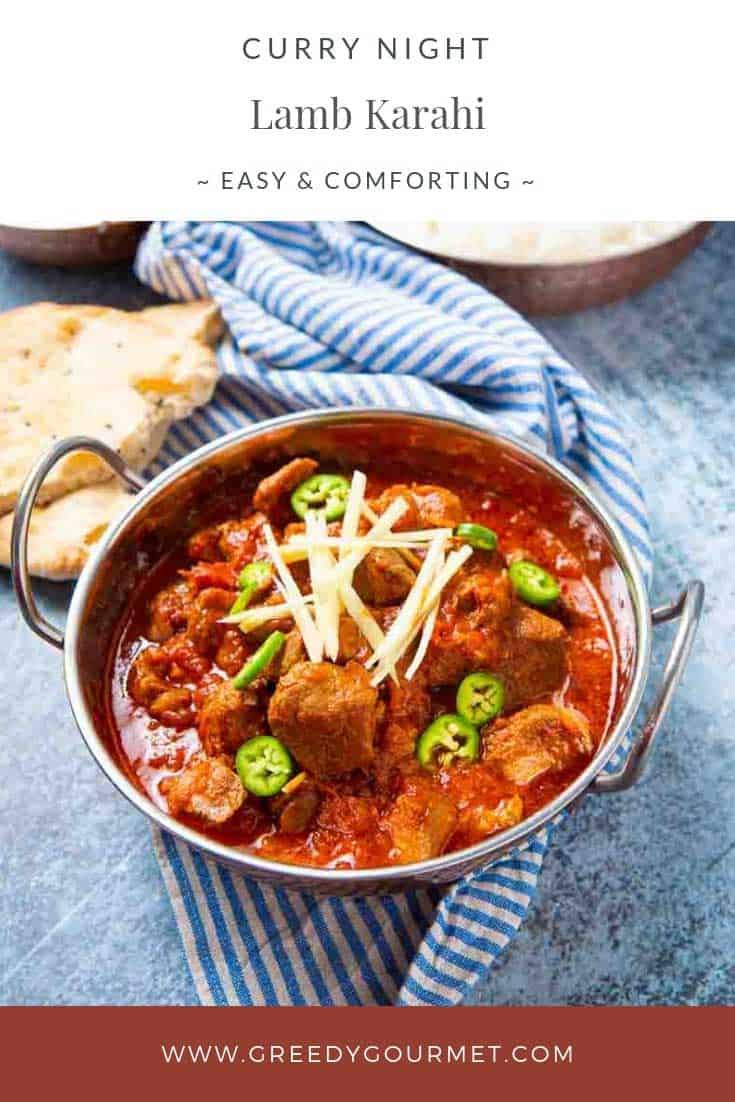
(636, 903)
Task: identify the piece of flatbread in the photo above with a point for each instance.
(62, 534)
(119, 377)
(199, 321)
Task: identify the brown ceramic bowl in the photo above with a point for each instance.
(74, 246)
(549, 288)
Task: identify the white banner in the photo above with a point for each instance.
(512, 111)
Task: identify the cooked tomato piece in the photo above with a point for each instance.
(212, 575)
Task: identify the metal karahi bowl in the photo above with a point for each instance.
(165, 510)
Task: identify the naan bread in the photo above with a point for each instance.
(120, 377)
(63, 533)
(200, 321)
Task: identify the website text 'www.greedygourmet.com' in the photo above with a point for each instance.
(360, 1054)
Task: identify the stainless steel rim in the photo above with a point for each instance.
(482, 852)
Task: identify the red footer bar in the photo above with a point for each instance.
(185, 1052)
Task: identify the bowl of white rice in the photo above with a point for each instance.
(555, 267)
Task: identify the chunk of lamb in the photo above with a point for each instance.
(293, 651)
(261, 633)
(227, 718)
(352, 646)
(383, 577)
(232, 651)
(535, 663)
(326, 716)
(298, 528)
(438, 507)
(410, 519)
(233, 540)
(203, 626)
(420, 822)
(428, 506)
(148, 686)
(271, 489)
(168, 611)
(407, 712)
(472, 625)
(537, 740)
(211, 575)
(352, 643)
(240, 539)
(481, 626)
(207, 788)
(204, 546)
(480, 821)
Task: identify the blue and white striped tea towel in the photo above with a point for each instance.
(330, 314)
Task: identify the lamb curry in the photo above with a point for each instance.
(353, 672)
